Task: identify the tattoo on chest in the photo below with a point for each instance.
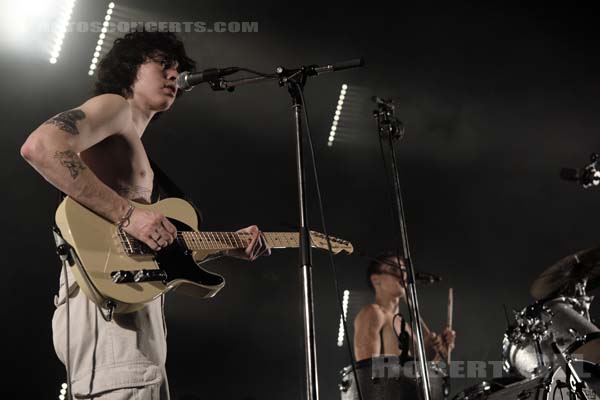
(67, 121)
(71, 161)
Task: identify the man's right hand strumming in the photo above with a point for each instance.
(152, 228)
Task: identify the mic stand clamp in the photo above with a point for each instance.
(388, 125)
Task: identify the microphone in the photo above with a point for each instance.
(187, 80)
(426, 277)
(339, 66)
(587, 177)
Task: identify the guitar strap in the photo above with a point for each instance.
(403, 341)
(165, 187)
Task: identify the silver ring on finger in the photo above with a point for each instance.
(157, 244)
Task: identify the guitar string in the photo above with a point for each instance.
(212, 240)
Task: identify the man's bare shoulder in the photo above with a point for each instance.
(370, 315)
(108, 99)
(101, 116)
(108, 105)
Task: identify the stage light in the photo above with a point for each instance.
(337, 114)
(345, 300)
(101, 38)
(64, 21)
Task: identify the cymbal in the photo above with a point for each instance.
(566, 273)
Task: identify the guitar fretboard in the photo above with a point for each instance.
(231, 240)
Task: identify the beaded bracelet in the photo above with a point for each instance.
(124, 221)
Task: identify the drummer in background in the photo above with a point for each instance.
(377, 325)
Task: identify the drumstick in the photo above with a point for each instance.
(450, 308)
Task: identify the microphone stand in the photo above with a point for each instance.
(390, 128)
(295, 80)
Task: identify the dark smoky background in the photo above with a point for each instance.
(495, 101)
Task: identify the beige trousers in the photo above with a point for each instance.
(121, 359)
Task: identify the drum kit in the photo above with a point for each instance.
(551, 351)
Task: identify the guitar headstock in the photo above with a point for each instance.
(319, 240)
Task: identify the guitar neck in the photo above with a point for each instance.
(232, 240)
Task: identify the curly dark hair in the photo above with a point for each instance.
(118, 68)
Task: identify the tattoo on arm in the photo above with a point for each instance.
(71, 161)
(67, 121)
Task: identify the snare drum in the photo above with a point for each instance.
(384, 378)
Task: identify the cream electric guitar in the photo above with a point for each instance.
(120, 272)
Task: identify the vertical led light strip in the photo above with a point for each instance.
(101, 38)
(63, 392)
(336, 117)
(340, 341)
(63, 23)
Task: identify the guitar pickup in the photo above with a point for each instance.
(122, 276)
(150, 275)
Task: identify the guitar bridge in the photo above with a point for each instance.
(132, 246)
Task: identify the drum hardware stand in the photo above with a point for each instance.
(574, 382)
(391, 129)
(584, 300)
(541, 368)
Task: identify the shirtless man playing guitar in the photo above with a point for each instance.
(94, 154)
